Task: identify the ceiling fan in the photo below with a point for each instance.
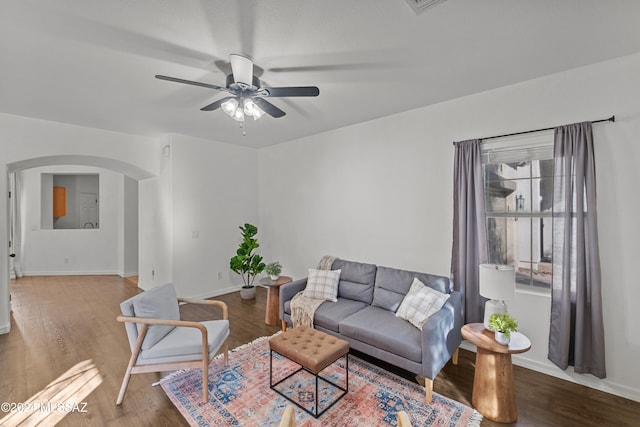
(247, 97)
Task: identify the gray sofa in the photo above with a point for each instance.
(364, 315)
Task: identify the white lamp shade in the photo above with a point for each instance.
(497, 281)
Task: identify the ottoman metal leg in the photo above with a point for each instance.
(317, 376)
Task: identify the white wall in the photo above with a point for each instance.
(381, 192)
(214, 191)
(128, 263)
(71, 251)
(155, 266)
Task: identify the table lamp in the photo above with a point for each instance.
(497, 282)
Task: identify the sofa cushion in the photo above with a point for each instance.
(160, 302)
(330, 314)
(382, 329)
(322, 284)
(356, 280)
(420, 303)
(393, 284)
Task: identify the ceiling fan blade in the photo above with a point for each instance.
(215, 105)
(190, 82)
(242, 68)
(268, 107)
(293, 91)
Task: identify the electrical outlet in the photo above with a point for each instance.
(153, 274)
(219, 275)
(66, 260)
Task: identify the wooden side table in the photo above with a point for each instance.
(493, 392)
(271, 315)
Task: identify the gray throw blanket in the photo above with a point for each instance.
(302, 308)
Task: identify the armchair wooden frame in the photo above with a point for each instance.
(203, 362)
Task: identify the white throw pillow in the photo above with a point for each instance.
(322, 284)
(420, 303)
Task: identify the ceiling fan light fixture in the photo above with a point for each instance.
(229, 106)
(251, 109)
(238, 115)
(257, 113)
(249, 106)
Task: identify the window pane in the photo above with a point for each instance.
(541, 194)
(542, 185)
(542, 248)
(505, 184)
(510, 241)
(525, 243)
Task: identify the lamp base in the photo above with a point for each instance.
(493, 306)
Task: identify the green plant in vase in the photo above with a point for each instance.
(246, 262)
(273, 270)
(503, 324)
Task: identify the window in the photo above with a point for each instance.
(518, 183)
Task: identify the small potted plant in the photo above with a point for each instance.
(503, 324)
(273, 270)
(246, 262)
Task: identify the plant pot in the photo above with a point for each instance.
(274, 277)
(501, 338)
(248, 293)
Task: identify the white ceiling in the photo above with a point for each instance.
(92, 62)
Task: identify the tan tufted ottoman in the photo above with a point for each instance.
(313, 350)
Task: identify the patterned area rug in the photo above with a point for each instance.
(240, 394)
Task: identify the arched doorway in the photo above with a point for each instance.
(129, 175)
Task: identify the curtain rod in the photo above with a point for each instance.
(610, 119)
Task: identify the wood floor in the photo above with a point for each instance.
(59, 322)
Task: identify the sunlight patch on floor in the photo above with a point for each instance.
(62, 396)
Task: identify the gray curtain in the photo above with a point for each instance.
(469, 231)
(576, 335)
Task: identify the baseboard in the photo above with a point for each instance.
(4, 329)
(569, 375)
(71, 273)
(216, 292)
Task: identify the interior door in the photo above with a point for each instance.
(88, 203)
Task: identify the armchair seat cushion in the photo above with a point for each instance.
(382, 329)
(183, 343)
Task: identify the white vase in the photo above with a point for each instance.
(274, 276)
(501, 338)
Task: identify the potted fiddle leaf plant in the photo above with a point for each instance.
(246, 262)
(273, 270)
(503, 324)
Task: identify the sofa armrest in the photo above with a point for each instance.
(288, 291)
(441, 336)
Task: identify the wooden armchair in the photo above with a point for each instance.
(160, 341)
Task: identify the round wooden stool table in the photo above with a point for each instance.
(493, 392)
(273, 298)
